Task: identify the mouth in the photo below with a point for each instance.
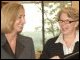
(21, 26)
(64, 29)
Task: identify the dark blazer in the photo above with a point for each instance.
(56, 49)
(24, 48)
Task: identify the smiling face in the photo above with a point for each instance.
(66, 27)
(12, 18)
(20, 20)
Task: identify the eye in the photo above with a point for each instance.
(23, 15)
(70, 21)
(19, 17)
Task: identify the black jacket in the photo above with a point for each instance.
(24, 48)
(56, 49)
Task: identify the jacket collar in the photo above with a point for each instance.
(19, 44)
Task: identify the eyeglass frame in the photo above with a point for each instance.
(69, 22)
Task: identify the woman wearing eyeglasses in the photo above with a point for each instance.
(67, 42)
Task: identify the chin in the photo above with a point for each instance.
(19, 30)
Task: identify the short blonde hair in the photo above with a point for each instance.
(71, 12)
(9, 13)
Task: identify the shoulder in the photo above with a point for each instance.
(52, 40)
(2, 35)
(25, 39)
(50, 43)
(3, 38)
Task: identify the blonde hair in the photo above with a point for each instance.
(71, 12)
(9, 13)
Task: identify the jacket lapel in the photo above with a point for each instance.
(19, 47)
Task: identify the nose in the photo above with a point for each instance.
(23, 20)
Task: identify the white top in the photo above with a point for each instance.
(65, 48)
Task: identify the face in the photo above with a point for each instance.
(66, 26)
(18, 25)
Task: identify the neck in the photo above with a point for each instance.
(11, 36)
(69, 38)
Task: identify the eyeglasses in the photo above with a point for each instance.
(67, 21)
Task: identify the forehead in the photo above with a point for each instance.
(64, 16)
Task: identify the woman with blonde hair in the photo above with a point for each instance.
(67, 43)
(13, 44)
